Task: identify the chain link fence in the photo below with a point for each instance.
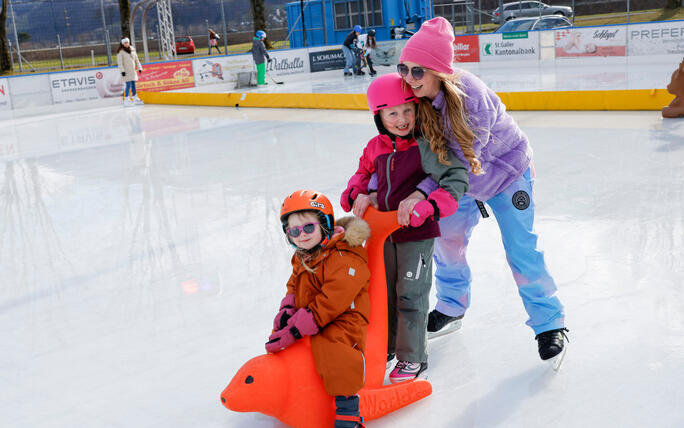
(45, 35)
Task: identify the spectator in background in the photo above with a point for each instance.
(258, 54)
(367, 42)
(347, 45)
(129, 67)
(213, 41)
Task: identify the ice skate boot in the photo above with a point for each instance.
(552, 346)
(128, 102)
(406, 370)
(137, 101)
(347, 414)
(440, 324)
(390, 357)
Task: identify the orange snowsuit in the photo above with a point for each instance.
(336, 293)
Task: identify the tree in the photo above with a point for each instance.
(5, 64)
(673, 4)
(259, 17)
(125, 11)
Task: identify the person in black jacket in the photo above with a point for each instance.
(348, 47)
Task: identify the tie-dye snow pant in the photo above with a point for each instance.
(514, 212)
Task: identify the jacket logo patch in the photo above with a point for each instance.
(352, 271)
(521, 200)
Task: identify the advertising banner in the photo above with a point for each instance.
(166, 76)
(220, 70)
(289, 62)
(593, 41)
(509, 46)
(466, 49)
(5, 100)
(660, 38)
(326, 60)
(387, 52)
(85, 85)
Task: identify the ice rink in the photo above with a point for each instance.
(142, 262)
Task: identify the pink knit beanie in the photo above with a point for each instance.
(432, 46)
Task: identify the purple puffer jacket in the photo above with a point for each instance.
(500, 145)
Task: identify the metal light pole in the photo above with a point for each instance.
(225, 31)
(108, 43)
(16, 37)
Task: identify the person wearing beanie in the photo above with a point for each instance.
(129, 66)
(460, 115)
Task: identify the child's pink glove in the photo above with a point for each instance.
(348, 197)
(439, 204)
(301, 324)
(287, 309)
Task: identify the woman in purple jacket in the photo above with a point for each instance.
(459, 113)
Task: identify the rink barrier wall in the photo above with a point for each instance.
(630, 99)
(255, 99)
(641, 42)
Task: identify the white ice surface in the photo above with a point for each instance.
(142, 261)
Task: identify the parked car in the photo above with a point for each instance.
(528, 8)
(184, 44)
(528, 24)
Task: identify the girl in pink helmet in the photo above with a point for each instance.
(392, 170)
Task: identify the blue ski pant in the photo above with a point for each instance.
(348, 58)
(514, 212)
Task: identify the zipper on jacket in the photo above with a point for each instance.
(389, 181)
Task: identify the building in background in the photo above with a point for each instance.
(327, 22)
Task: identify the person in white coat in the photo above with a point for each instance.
(129, 66)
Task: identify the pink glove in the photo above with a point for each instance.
(287, 309)
(348, 197)
(439, 204)
(301, 324)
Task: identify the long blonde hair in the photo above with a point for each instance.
(433, 126)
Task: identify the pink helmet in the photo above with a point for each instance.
(388, 91)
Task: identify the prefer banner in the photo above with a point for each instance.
(509, 46)
(326, 60)
(166, 76)
(85, 85)
(660, 38)
(221, 69)
(594, 41)
(466, 49)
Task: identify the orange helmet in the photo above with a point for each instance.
(309, 200)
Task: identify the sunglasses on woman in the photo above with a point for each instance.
(295, 231)
(416, 72)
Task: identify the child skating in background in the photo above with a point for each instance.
(327, 297)
(129, 67)
(393, 167)
(260, 55)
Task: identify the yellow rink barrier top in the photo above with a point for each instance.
(628, 99)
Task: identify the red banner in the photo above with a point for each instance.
(166, 76)
(466, 49)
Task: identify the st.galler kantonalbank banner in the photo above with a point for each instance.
(509, 46)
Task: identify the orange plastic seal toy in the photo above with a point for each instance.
(676, 88)
(300, 400)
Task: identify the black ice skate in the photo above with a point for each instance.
(552, 346)
(440, 324)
